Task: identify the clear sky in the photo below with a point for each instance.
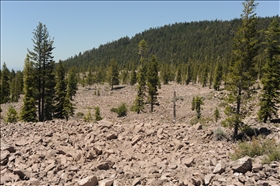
(77, 26)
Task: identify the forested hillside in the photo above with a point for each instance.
(174, 43)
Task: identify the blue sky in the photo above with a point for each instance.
(79, 26)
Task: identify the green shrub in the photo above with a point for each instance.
(258, 147)
(97, 114)
(88, 117)
(194, 121)
(219, 134)
(12, 115)
(79, 114)
(121, 110)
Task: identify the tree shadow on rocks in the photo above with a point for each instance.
(248, 133)
(118, 87)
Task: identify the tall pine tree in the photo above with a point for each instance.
(72, 83)
(270, 96)
(218, 73)
(152, 82)
(5, 87)
(139, 102)
(113, 74)
(44, 66)
(242, 75)
(60, 91)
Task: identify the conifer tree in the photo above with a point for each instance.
(49, 90)
(218, 73)
(113, 74)
(139, 102)
(141, 78)
(68, 107)
(72, 83)
(44, 65)
(16, 85)
(133, 77)
(189, 74)
(204, 75)
(28, 110)
(152, 82)
(179, 75)
(5, 87)
(143, 51)
(270, 96)
(97, 114)
(60, 91)
(196, 105)
(100, 75)
(242, 75)
(164, 74)
(89, 78)
(124, 76)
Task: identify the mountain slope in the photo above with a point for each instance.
(179, 43)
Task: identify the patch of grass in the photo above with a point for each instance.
(194, 121)
(205, 120)
(79, 114)
(222, 104)
(88, 117)
(121, 110)
(258, 147)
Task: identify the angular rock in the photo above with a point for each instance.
(136, 139)
(104, 165)
(136, 181)
(22, 142)
(106, 182)
(188, 161)
(4, 157)
(112, 136)
(105, 124)
(242, 165)
(197, 126)
(219, 168)
(88, 181)
(6, 146)
(23, 175)
(208, 178)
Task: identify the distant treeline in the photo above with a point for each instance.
(172, 44)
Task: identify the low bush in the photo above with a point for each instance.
(79, 115)
(88, 117)
(97, 114)
(258, 147)
(12, 115)
(219, 134)
(121, 110)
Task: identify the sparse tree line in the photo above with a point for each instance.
(254, 57)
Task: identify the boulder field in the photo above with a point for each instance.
(123, 153)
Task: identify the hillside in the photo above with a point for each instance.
(174, 43)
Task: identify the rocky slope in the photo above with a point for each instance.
(144, 149)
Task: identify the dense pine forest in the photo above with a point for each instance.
(172, 44)
(236, 53)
